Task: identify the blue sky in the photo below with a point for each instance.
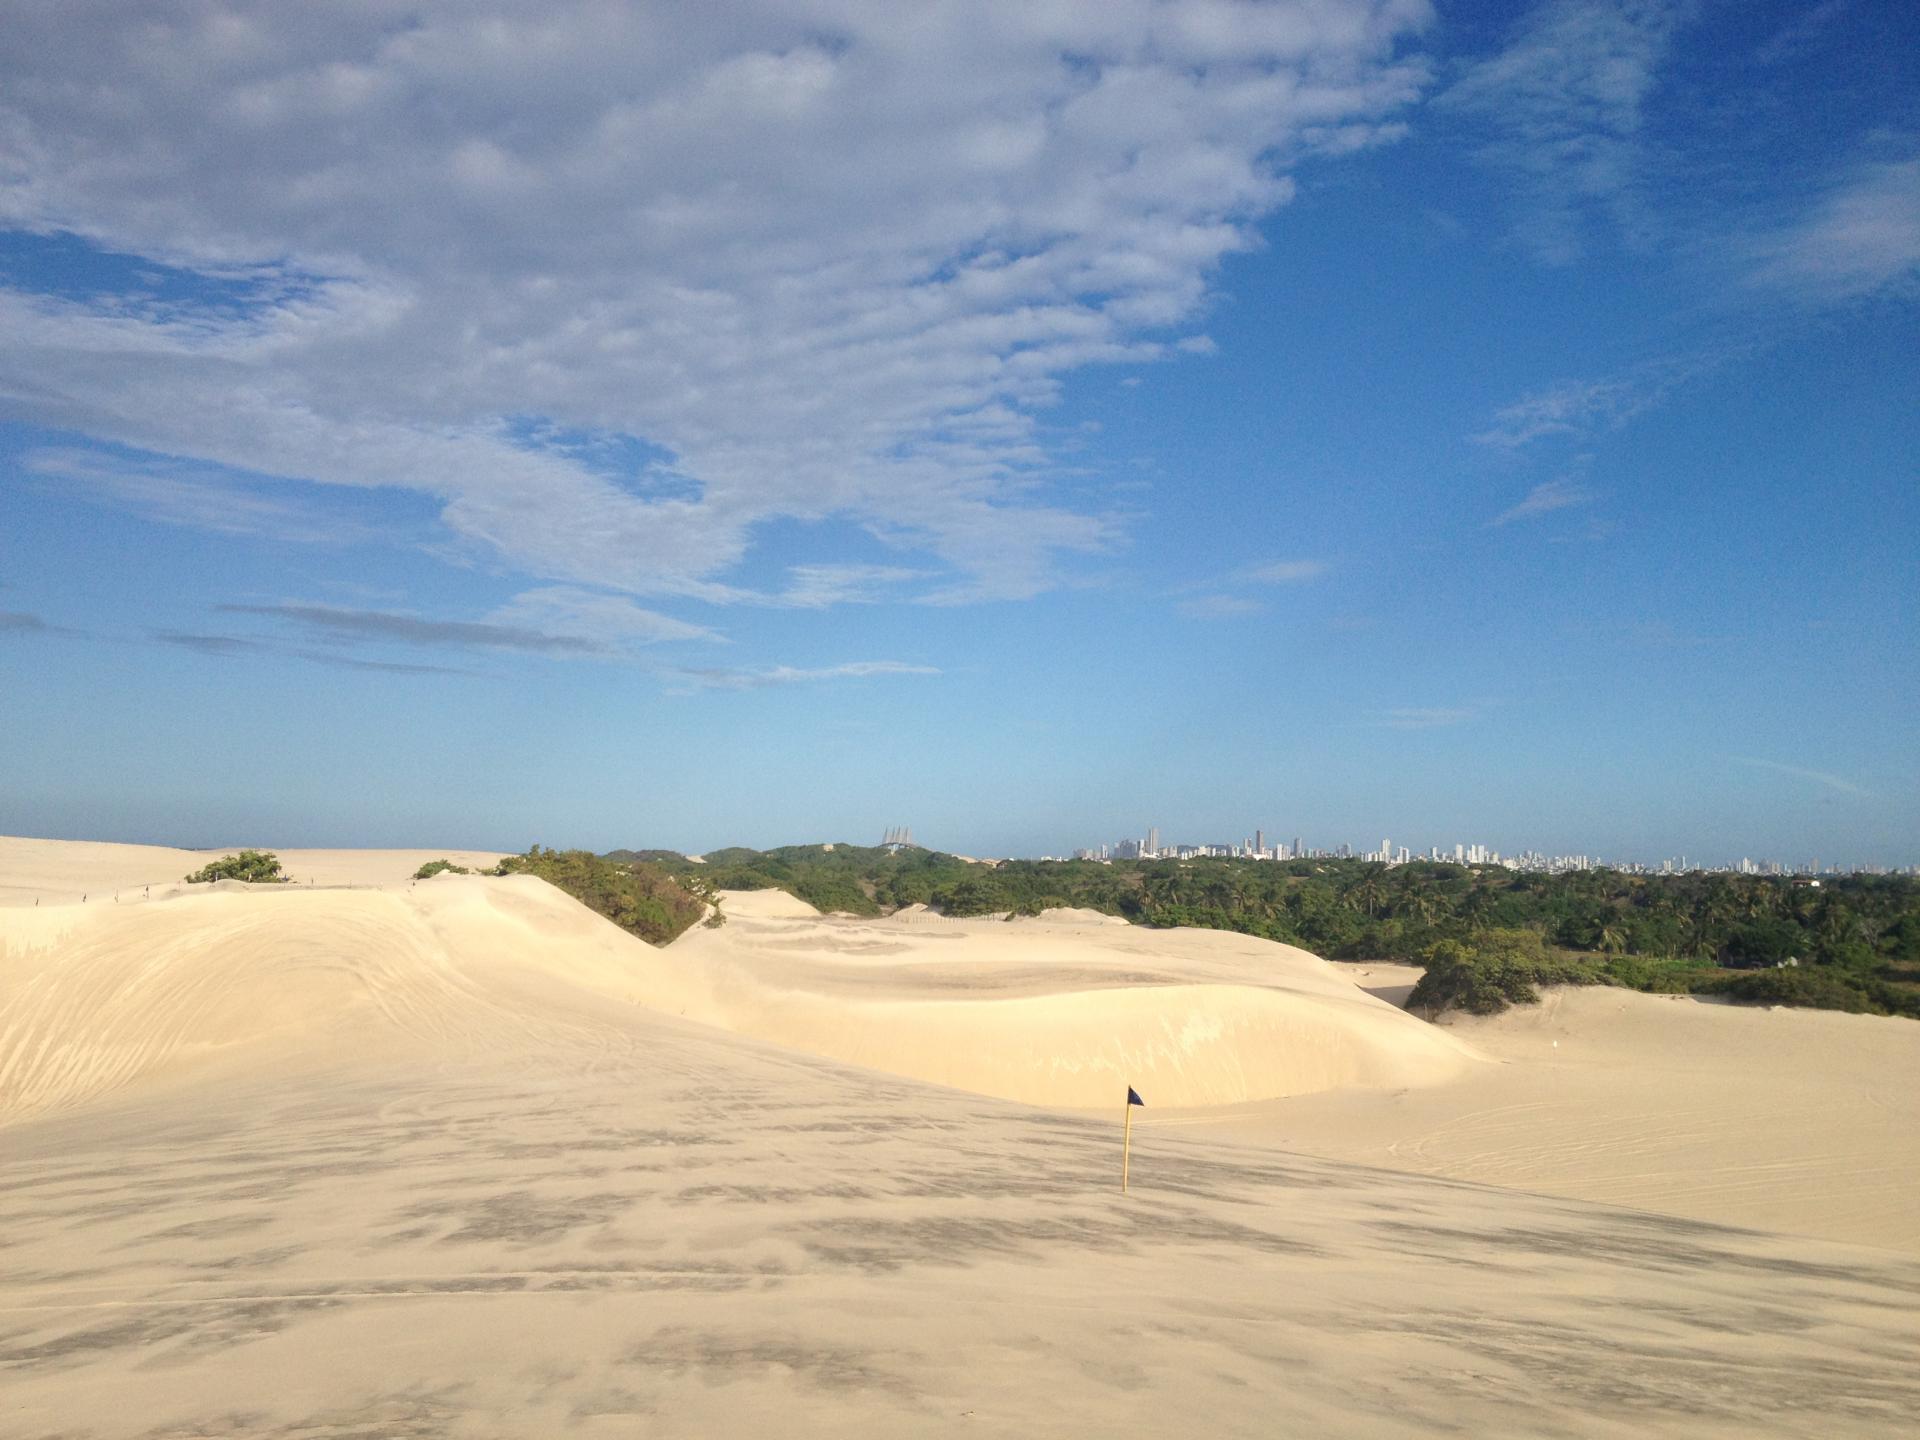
(637, 426)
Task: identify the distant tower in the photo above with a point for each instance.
(1259, 842)
(1153, 839)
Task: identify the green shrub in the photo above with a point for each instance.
(1816, 987)
(1499, 969)
(440, 867)
(256, 867)
(637, 897)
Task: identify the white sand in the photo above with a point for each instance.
(1056, 1010)
(62, 872)
(444, 1159)
(1798, 1120)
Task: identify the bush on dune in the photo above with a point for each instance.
(440, 867)
(637, 897)
(256, 867)
(1816, 987)
(1500, 968)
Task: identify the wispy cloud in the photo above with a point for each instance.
(213, 644)
(20, 622)
(1563, 107)
(1283, 572)
(234, 646)
(1801, 33)
(815, 587)
(774, 675)
(1863, 237)
(180, 493)
(594, 617)
(1223, 597)
(1544, 499)
(333, 623)
(1818, 777)
(1218, 607)
(1579, 410)
(1427, 717)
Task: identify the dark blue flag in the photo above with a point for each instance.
(1133, 1096)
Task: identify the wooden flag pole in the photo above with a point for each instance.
(1126, 1146)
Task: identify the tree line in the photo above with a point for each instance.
(1850, 942)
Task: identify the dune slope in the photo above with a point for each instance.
(416, 1163)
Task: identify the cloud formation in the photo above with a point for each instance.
(1544, 499)
(1284, 572)
(20, 622)
(822, 261)
(237, 645)
(181, 493)
(1818, 777)
(334, 623)
(1862, 237)
(1565, 103)
(773, 675)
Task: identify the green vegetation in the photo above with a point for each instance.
(1499, 969)
(256, 867)
(440, 867)
(638, 897)
(1851, 943)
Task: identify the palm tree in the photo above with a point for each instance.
(1366, 893)
(1611, 936)
(1420, 904)
(1478, 907)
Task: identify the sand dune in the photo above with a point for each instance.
(1798, 1120)
(61, 872)
(94, 996)
(1056, 1011)
(446, 1159)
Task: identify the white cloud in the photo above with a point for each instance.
(1863, 237)
(1565, 103)
(1818, 777)
(828, 261)
(774, 675)
(1544, 499)
(815, 587)
(1577, 409)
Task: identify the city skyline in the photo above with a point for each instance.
(1462, 852)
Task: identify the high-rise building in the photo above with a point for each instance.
(1259, 842)
(1153, 839)
(1297, 851)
